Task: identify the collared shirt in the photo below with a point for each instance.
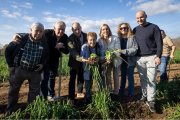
(31, 55)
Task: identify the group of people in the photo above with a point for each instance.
(35, 57)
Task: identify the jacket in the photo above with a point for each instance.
(75, 50)
(52, 41)
(114, 43)
(13, 49)
(130, 51)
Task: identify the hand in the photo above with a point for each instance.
(39, 67)
(171, 56)
(16, 39)
(84, 60)
(157, 61)
(59, 45)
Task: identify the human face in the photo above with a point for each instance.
(59, 30)
(76, 30)
(123, 29)
(163, 34)
(141, 18)
(91, 41)
(105, 31)
(37, 32)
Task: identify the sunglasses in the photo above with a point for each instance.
(123, 28)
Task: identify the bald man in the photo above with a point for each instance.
(75, 42)
(148, 37)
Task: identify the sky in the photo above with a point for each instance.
(16, 16)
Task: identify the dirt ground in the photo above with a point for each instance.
(174, 70)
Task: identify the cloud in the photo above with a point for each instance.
(87, 24)
(27, 5)
(28, 18)
(9, 14)
(156, 6)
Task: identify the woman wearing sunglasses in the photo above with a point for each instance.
(129, 48)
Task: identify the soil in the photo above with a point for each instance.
(135, 109)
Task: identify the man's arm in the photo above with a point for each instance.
(9, 54)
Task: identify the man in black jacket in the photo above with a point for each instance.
(75, 42)
(57, 41)
(26, 61)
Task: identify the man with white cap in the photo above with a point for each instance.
(26, 61)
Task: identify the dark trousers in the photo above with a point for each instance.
(16, 80)
(80, 81)
(52, 76)
(44, 83)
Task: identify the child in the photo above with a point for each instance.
(87, 49)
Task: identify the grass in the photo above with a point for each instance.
(102, 107)
(177, 56)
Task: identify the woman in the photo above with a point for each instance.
(128, 51)
(110, 42)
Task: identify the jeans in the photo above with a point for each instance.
(163, 68)
(88, 87)
(129, 72)
(52, 75)
(147, 71)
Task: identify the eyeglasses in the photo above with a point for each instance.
(123, 28)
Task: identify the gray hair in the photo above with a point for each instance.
(60, 23)
(37, 24)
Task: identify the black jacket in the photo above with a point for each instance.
(75, 49)
(52, 41)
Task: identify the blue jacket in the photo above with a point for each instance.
(85, 53)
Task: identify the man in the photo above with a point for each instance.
(57, 42)
(75, 42)
(26, 61)
(168, 53)
(149, 42)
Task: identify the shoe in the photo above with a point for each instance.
(50, 98)
(151, 106)
(80, 95)
(143, 98)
